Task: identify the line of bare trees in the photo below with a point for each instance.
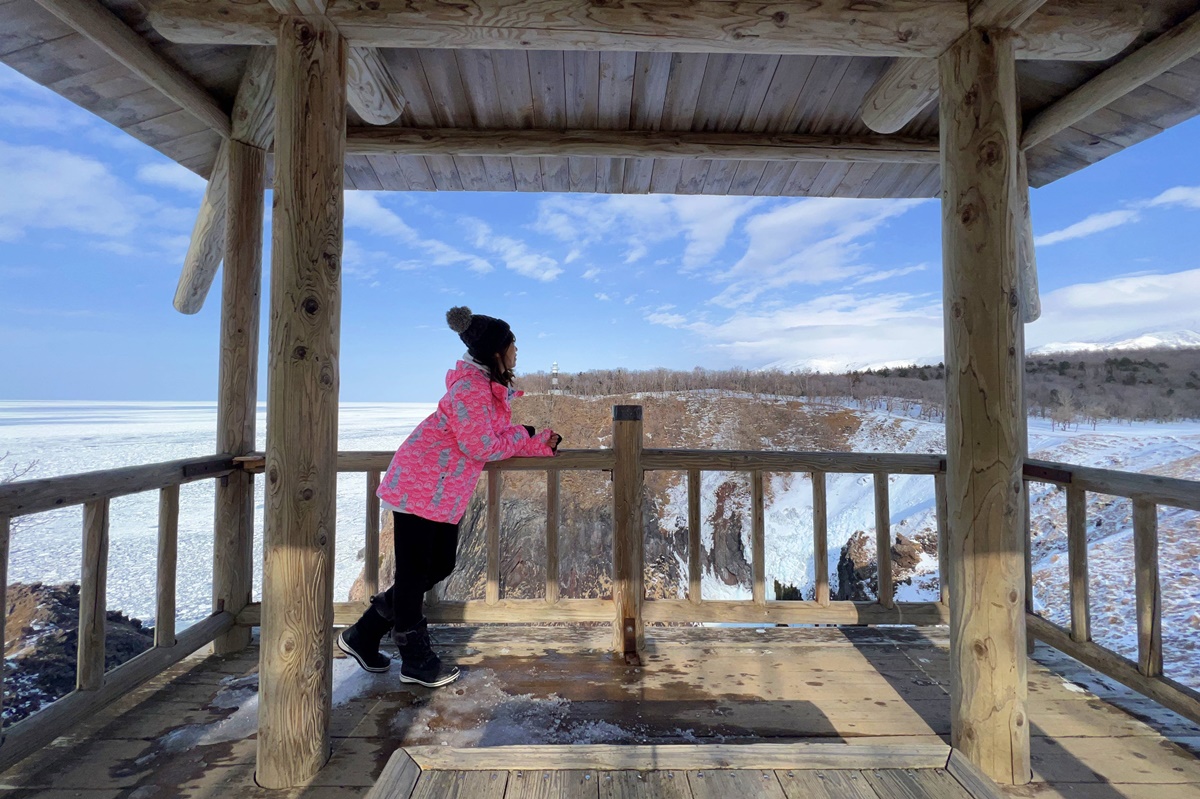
(1144, 385)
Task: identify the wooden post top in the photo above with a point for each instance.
(627, 413)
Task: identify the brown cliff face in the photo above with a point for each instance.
(691, 421)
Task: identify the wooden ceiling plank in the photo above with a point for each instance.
(692, 176)
(665, 179)
(755, 81)
(817, 94)
(303, 8)
(804, 174)
(747, 177)
(683, 90)
(25, 25)
(406, 66)
(774, 178)
(717, 90)
(417, 172)
(444, 172)
(362, 174)
(720, 176)
(856, 179)
(1148, 62)
(472, 173)
(515, 86)
(548, 87)
(790, 77)
(583, 89)
(652, 72)
(639, 173)
(1058, 30)
(639, 144)
(616, 89)
(371, 89)
(106, 30)
(500, 173)
(391, 177)
(582, 174)
(804, 27)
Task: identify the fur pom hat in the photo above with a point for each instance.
(484, 335)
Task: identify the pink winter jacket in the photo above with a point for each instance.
(434, 472)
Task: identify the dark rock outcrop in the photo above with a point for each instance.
(858, 569)
(42, 641)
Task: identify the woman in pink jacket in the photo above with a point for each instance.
(428, 487)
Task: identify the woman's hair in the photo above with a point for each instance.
(502, 376)
(485, 337)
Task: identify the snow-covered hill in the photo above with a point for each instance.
(1172, 340)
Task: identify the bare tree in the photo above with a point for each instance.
(11, 472)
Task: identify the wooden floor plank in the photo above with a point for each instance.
(461, 785)
(740, 784)
(643, 784)
(552, 785)
(826, 784)
(915, 784)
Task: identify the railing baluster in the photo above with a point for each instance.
(1077, 562)
(553, 509)
(820, 537)
(943, 534)
(5, 533)
(168, 560)
(371, 554)
(757, 538)
(89, 672)
(1027, 544)
(883, 540)
(1149, 597)
(694, 573)
(494, 483)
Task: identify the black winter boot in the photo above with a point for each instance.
(361, 641)
(418, 662)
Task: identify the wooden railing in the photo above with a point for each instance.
(95, 688)
(629, 609)
(1147, 493)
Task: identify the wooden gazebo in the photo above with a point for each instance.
(970, 101)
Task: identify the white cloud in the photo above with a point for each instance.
(1115, 307)
(54, 189)
(172, 176)
(888, 274)
(363, 211)
(591, 274)
(516, 254)
(1188, 196)
(603, 297)
(1093, 224)
(834, 331)
(808, 241)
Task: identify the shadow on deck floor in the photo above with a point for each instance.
(190, 733)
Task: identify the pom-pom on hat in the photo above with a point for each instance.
(484, 335)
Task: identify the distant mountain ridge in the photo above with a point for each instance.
(1172, 340)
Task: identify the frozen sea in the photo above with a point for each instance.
(61, 438)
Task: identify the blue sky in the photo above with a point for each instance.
(94, 227)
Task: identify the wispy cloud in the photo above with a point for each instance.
(364, 211)
(516, 254)
(888, 274)
(1188, 196)
(172, 176)
(1089, 226)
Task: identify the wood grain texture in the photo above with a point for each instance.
(254, 107)
(1001, 13)
(1167, 692)
(1148, 62)
(495, 485)
(27, 736)
(695, 552)
(1150, 487)
(461, 785)
(820, 512)
(93, 607)
(371, 551)
(971, 778)
(168, 559)
(1149, 592)
(983, 400)
(1077, 558)
(724, 783)
(906, 89)
(1031, 301)
(553, 514)
(397, 779)
(237, 396)
(682, 757)
(883, 540)
(925, 28)
(5, 544)
(826, 784)
(207, 245)
(943, 535)
(758, 548)
(749, 460)
(106, 30)
(793, 612)
(630, 143)
(295, 675)
(34, 496)
(628, 529)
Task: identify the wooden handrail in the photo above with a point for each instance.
(24, 497)
(750, 460)
(1151, 487)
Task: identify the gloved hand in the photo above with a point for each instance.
(555, 440)
(529, 429)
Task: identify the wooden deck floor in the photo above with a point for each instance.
(190, 733)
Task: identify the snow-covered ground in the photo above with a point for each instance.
(65, 438)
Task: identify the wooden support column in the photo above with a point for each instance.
(628, 546)
(983, 404)
(233, 543)
(302, 403)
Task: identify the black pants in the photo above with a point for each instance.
(425, 555)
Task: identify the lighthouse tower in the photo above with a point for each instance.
(554, 389)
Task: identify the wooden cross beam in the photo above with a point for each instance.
(1077, 30)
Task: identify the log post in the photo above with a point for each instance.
(983, 404)
(233, 542)
(694, 547)
(820, 538)
(302, 408)
(553, 513)
(5, 535)
(168, 562)
(628, 546)
(371, 554)
(93, 597)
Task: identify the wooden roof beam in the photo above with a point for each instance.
(802, 27)
(110, 34)
(1140, 67)
(371, 88)
(1075, 30)
(639, 144)
(254, 124)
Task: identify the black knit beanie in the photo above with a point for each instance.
(484, 335)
